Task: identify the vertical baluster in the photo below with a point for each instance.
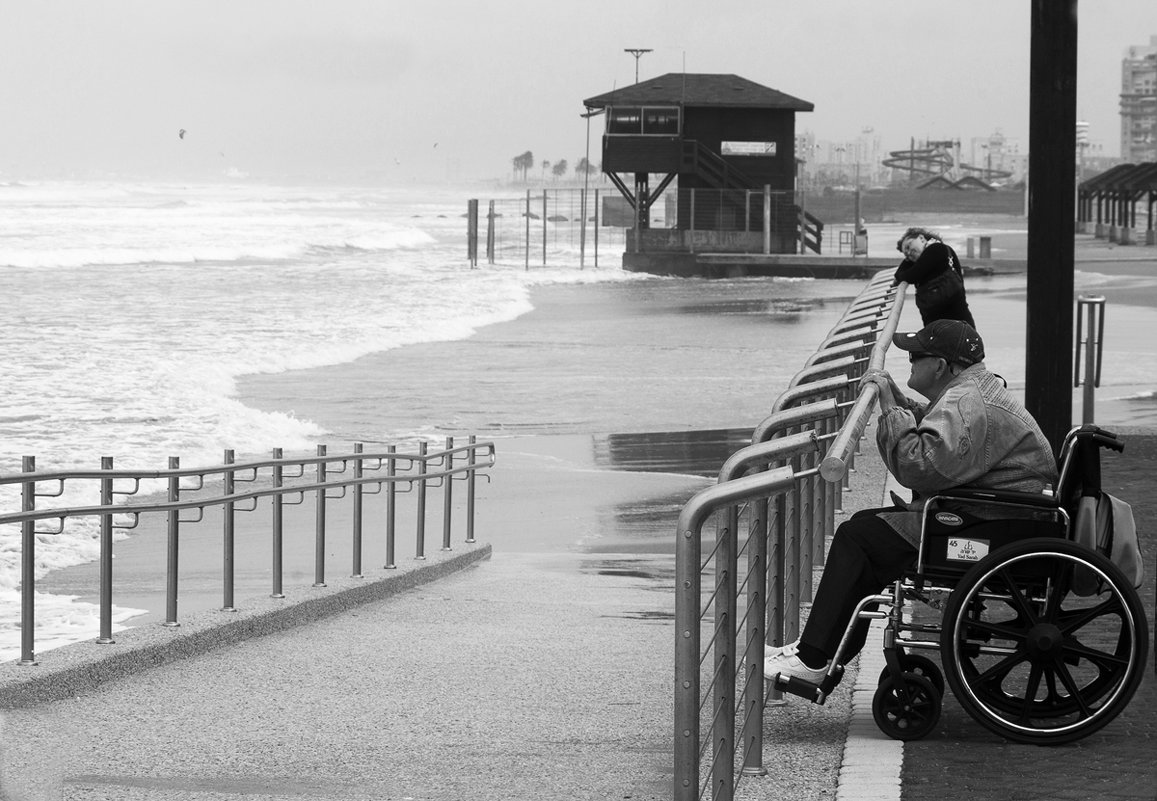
(391, 506)
(447, 496)
(105, 637)
(357, 545)
(227, 567)
(420, 548)
(470, 488)
(174, 524)
(319, 528)
(752, 711)
(28, 567)
(278, 530)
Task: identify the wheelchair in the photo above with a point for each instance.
(1042, 640)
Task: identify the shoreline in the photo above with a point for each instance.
(626, 330)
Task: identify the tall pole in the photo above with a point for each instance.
(1052, 146)
(586, 183)
(636, 52)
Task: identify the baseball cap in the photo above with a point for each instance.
(952, 340)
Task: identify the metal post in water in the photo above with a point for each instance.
(357, 545)
(596, 228)
(447, 496)
(391, 507)
(583, 227)
(278, 522)
(319, 527)
(227, 567)
(106, 556)
(470, 492)
(490, 234)
(174, 538)
(28, 567)
(420, 544)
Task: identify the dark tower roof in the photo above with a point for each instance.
(698, 89)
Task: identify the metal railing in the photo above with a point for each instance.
(273, 478)
(550, 226)
(774, 506)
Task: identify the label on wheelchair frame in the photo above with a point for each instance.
(965, 550)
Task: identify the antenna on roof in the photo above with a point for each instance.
(637, 52)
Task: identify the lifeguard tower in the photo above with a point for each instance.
(728, 144)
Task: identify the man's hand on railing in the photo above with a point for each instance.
(886, 389)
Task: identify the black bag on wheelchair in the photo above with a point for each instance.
(1105, 524)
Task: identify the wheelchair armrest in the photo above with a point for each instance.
(1035, 499)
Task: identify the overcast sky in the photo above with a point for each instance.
(411, 90)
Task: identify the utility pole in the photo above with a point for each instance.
(1052, 134)
(637, 52)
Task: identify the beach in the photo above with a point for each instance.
(610, 404)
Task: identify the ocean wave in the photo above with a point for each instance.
(1147, 395)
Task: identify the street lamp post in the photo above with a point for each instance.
(586, 179)
(637, 52)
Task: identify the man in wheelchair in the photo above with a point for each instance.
(972, 433)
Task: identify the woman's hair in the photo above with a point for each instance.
(912, 233)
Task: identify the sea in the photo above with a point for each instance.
(132, 310)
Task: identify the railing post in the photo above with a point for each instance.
(227, 567)
(447, 497)
(278, 531)
(28, 567)
(357, 544)
(723, 730)
(420, 544)
(105, 637)
(470, 491)
(173, 519)
(391, 506)
(688, 595)
(319, 526)
(753, 653)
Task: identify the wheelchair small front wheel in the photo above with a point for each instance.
(920, 665)
(908, 709)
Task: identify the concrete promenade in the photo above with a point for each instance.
(520, 676)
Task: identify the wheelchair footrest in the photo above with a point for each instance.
(816, 693)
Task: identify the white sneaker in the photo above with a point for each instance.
(787, 664)
(770, 651)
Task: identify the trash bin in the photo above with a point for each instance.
(986, 247)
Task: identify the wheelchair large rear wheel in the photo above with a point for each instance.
(1030, 660)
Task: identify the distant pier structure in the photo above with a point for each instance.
(727, 144)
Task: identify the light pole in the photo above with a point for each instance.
(586, 179)
(637, 52)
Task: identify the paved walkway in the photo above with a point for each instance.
(525, 676)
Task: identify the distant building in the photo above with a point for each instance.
(1139, 103)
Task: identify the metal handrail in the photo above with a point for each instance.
(835, 465)
(473, 457)
(792, 509)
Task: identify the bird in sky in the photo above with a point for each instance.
(181, 134)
